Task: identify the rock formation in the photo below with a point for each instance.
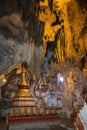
(42, 33)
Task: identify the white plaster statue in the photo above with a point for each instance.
(67, 96)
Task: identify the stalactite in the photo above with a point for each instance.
(67, 31)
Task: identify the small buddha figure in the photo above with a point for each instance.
(12, 113)
(67, 94)
(70, 83)
(70, 78)
(18, 111)
(25, 111)
(37, 111)
(31, 111)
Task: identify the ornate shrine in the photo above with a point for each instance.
(24, 108)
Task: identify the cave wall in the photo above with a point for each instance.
(21, 29)
(27, 27)
(66, 26)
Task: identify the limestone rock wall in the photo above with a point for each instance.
(28, 26)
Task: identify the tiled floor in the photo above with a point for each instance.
(53, 128)
(64, 124)
(67, 122)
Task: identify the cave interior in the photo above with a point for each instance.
(50, 38)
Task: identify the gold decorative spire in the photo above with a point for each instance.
(23, 78)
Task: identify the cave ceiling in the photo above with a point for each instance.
(30, 30)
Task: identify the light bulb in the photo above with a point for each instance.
(4, 80)
(61, 79)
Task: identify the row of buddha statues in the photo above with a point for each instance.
(33, 111)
